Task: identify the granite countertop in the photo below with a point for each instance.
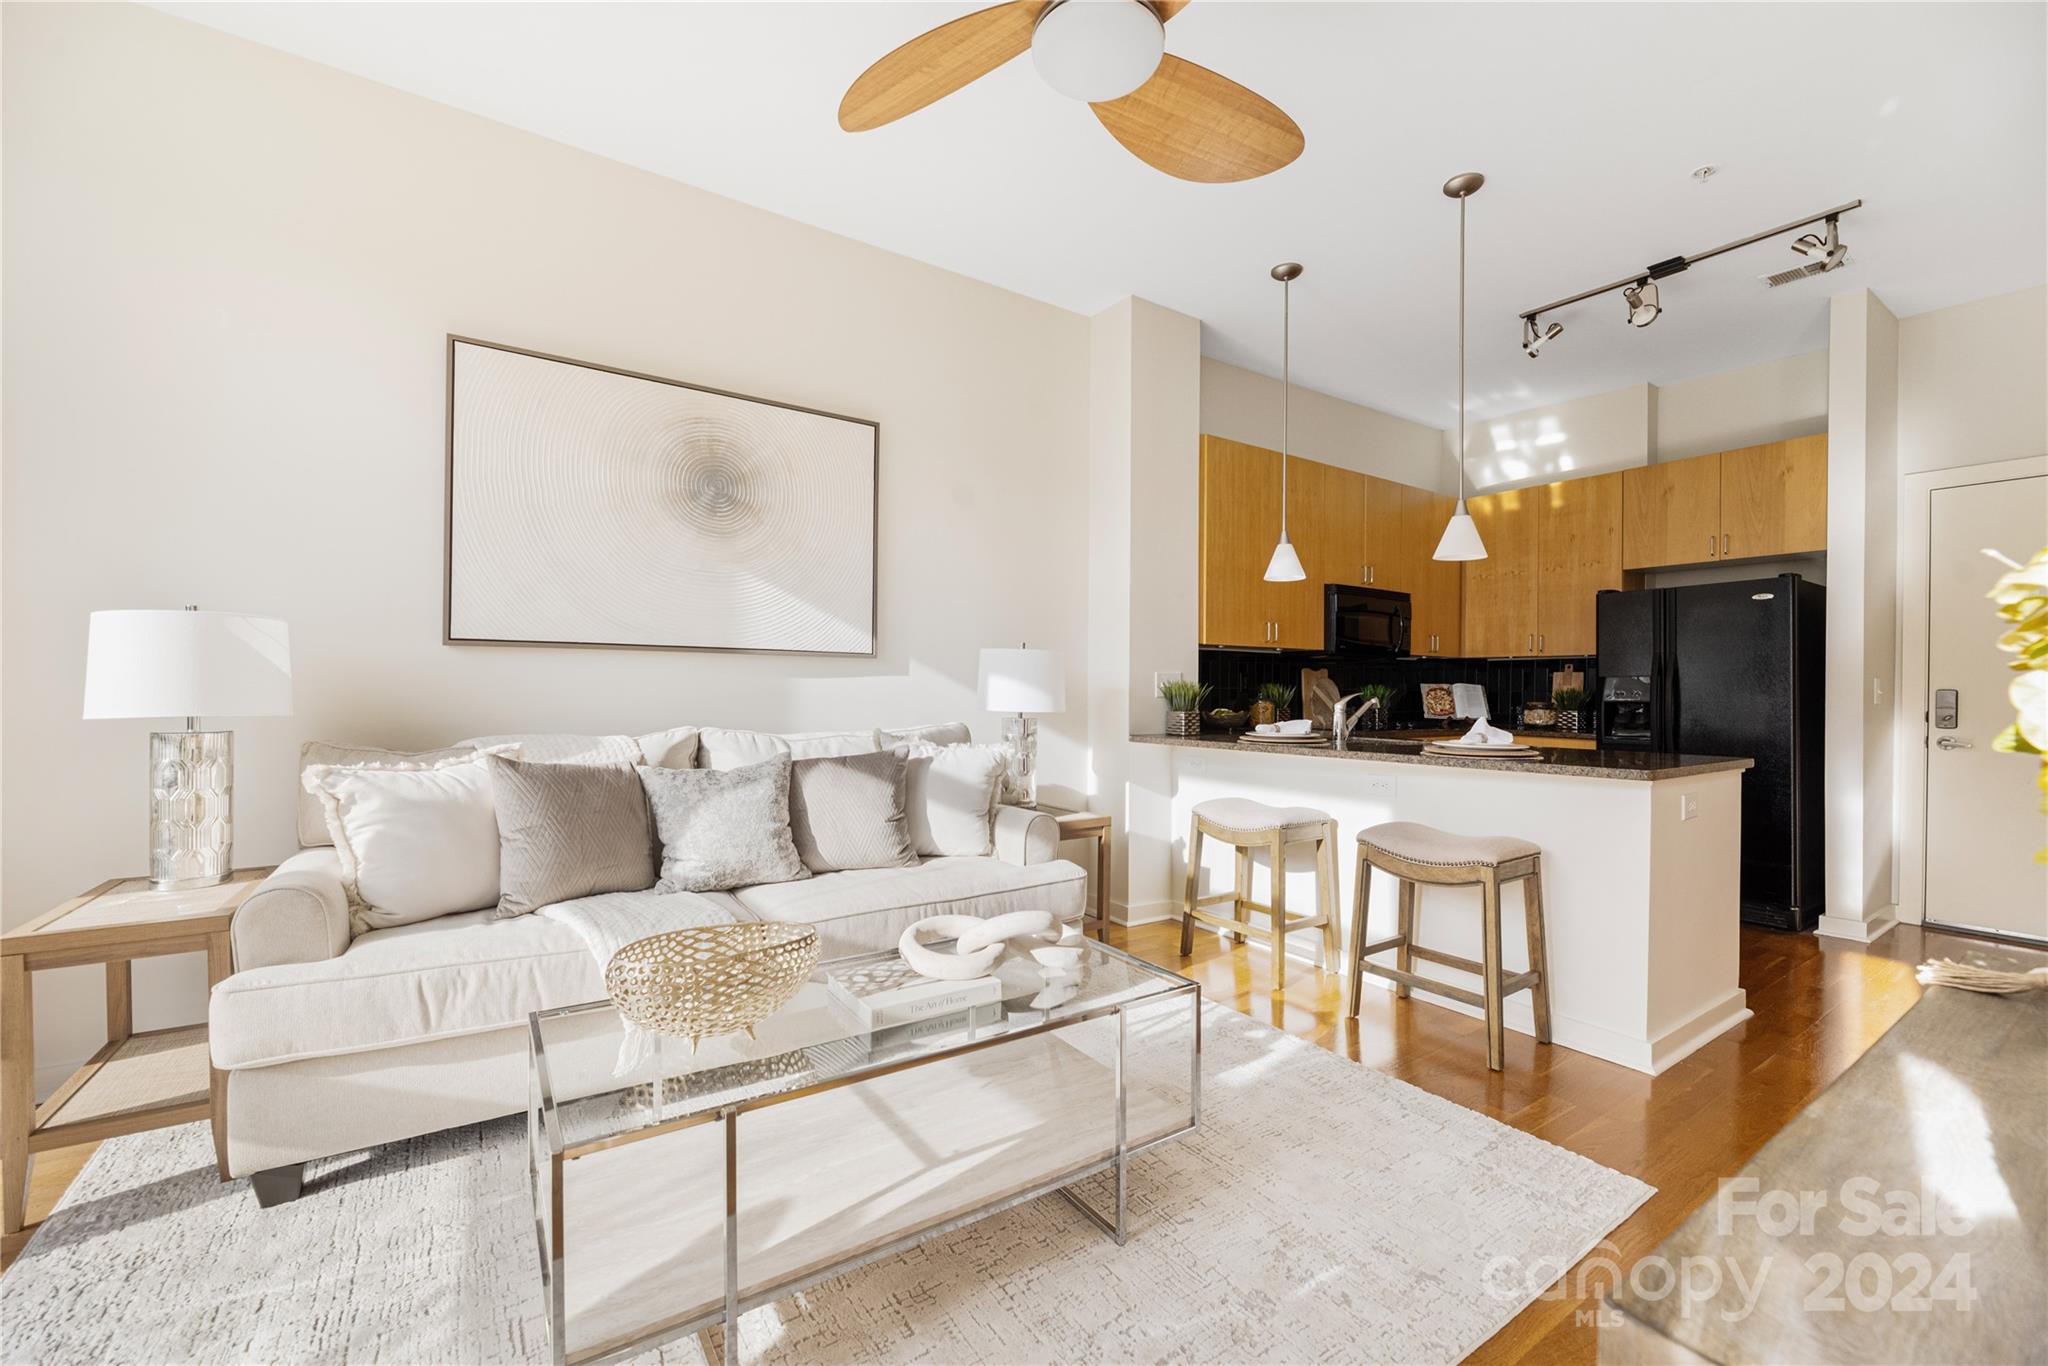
(1636, 764)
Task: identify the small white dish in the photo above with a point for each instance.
(1058, 957)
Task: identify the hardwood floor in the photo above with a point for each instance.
(1818, 1003)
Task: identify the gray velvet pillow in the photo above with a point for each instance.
(722, 828)
(568, 830)
(847, 811)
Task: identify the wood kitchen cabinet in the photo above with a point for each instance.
(1240, 523)
(1436, 587)
(1385, 558)
(1752, 503)
(1550, 550)
(1500, 590)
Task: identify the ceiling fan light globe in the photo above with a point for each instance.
(1096, 50)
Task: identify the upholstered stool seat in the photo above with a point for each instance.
(1419, 854)
(1247, 825)
(1439, 848)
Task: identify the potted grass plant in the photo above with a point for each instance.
(1275, 702)
(1568, 701)
(1183, 706)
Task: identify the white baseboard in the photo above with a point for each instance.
(1865, 931)
(1144, 913)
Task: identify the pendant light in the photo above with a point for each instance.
(1285, 566)
(1461, 534)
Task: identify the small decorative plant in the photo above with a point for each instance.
(1568, 701)
(1183, 705)
(1275, 702)
(1375, 700)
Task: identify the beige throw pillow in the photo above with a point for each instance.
(415, 843)
(951, 797)
(568, 830)
(723, 828)
(313, 831)
(847, 811)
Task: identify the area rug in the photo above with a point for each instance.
(1323, 1212)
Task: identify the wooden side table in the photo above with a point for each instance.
(136, 1081)
(1079, 825)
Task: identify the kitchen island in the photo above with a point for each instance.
(1641, 869)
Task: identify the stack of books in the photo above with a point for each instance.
(886, 992)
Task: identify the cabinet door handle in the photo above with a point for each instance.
(1532, 642)
(1724, 544)
(1710, 547)
(1539, 643)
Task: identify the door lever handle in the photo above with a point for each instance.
(1950, 742)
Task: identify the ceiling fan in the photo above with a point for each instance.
(1171, 114)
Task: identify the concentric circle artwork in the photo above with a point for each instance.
(588, 506)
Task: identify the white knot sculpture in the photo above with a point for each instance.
(977, 943)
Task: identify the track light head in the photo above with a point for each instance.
(1533, 337)
(1828, 250)
(1643, 307)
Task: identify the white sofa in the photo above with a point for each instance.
(334, 1042)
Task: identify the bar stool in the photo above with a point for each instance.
(1247, 825)
(1417, 854)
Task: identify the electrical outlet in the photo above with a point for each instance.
(1376, 786)
(1688, 805)
(1877, 692)
(1167, 676)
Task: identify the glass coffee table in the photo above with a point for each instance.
(699, 1185)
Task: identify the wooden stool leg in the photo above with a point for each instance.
(1354, 967)
(1326, 898)
(1279, 910)
(1496, 1042)
(1241, 909)
(1404, 926)
(1187, 906)
(1539, 956)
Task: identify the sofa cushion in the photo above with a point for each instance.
(738, 748)
(951, 796)
(723, 828)
(415, 843)
(460, 974)
(941, 733)
(673, 748)
(847, 811)
(865, 910)
(313, 831)
(568, 831)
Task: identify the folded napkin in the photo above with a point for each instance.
(1300, 727)
(1485, 734)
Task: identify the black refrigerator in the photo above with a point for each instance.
(1732, 668)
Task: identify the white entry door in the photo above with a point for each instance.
(1984, 817)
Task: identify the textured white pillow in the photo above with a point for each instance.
(313, 830)
(939, 733)
(951, 797)
(415, 843)
(740, 748)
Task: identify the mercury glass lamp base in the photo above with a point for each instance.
(1020, 735)
(191, 808)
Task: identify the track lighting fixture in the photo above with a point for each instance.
(1828, 251)
(1641, 299)
(1639, 291)
(1533, 338)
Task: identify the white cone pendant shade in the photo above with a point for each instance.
(1461, 538)
(1285, 566)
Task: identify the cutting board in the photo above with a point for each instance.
(1319, 698)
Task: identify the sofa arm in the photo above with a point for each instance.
(1026, 836)
(299, 914)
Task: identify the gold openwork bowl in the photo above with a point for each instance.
(710, 980)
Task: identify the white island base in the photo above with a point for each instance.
(1641, 877)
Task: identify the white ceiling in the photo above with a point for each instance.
(1586, 120)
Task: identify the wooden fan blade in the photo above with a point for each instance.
(935, 64)
(1196, 125)
(1168, 8)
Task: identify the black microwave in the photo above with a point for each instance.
(1364, 622)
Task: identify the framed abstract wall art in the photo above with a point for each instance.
(591, 506)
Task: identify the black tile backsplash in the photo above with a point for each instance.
(1233, 676)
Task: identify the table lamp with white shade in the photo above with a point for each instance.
(1021, 682)
(189, 664)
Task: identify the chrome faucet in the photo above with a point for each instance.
(1341, 724)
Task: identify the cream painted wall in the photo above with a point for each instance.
(227, 277)
(1590, 435)
(1973, 382)
(1244, 405)
(1771, 401)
